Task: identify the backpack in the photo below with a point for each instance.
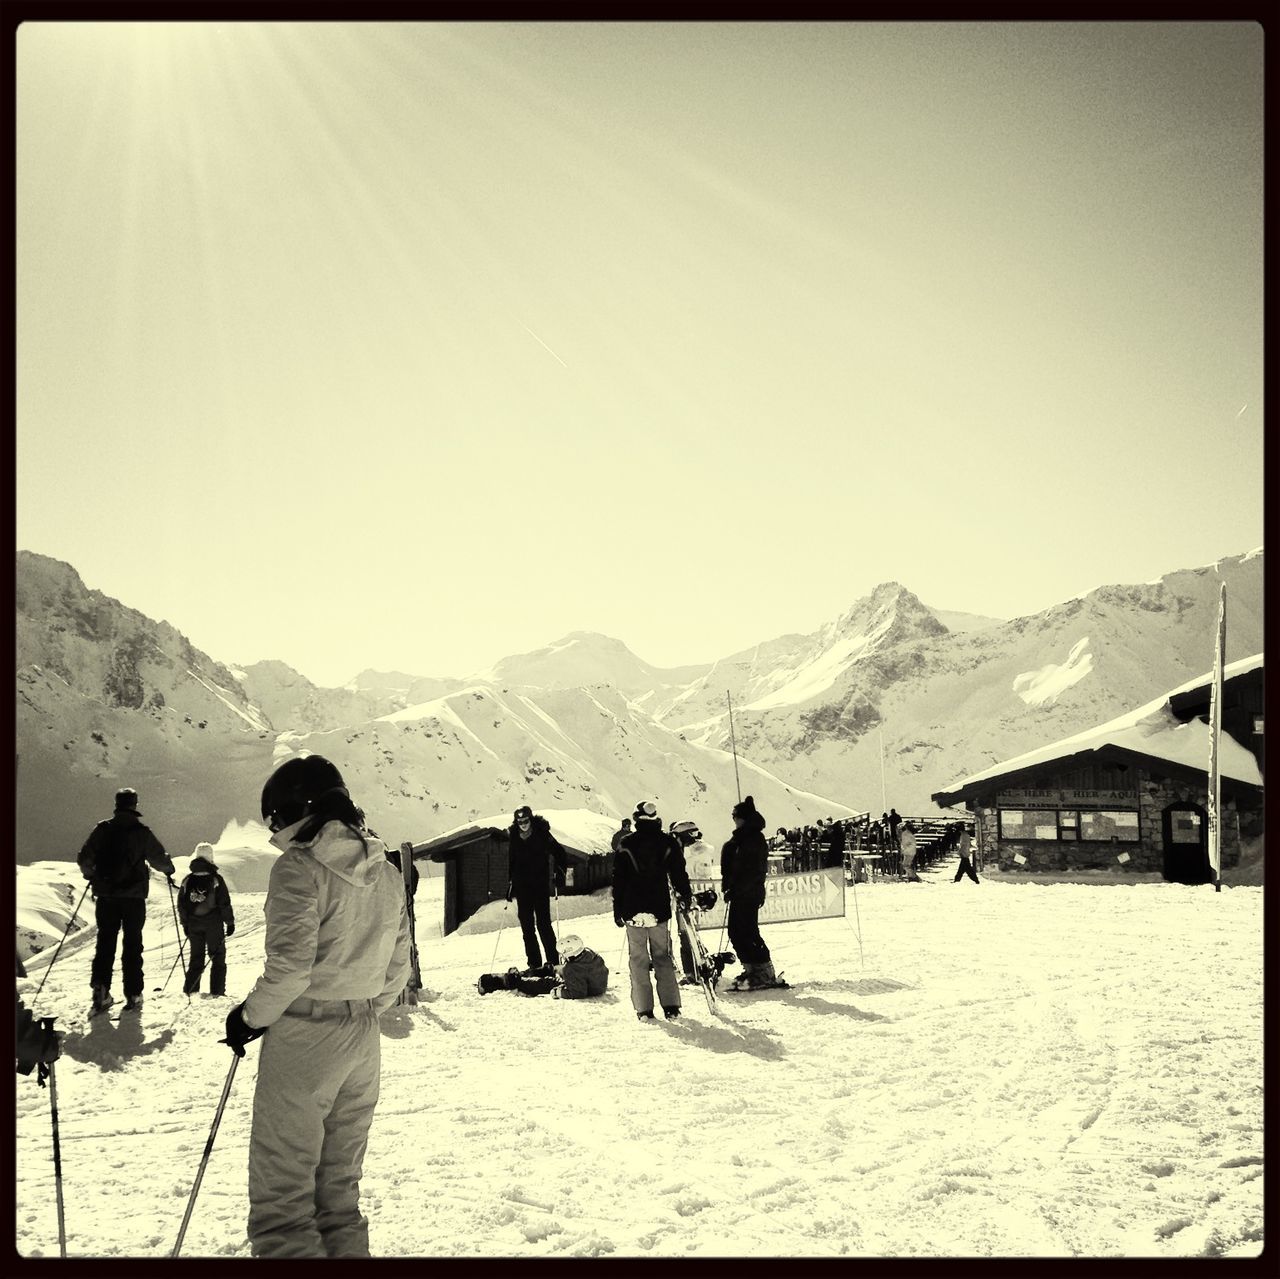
(199, 891)
(115, 866)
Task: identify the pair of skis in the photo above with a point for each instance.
(704, 966)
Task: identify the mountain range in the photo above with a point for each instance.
(881, 706)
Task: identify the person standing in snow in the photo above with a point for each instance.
(534, 860)
(744, 864)
(621, 833)
(204, 910)
(337, 955)
(894, 821)
(647, 861)
(966, 866)
(700, 865)
(907, 836)
(114, 860)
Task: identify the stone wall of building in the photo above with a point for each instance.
(1146, 855)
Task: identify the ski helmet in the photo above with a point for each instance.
(295, 786)
(570, 946)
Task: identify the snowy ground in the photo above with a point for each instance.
(1007, 1069)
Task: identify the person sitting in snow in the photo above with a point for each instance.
(646, 860)
(534, 857)
(204, 910)
(581, 974)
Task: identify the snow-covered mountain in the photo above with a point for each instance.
(108, 697)
(585, 659)
(946, 705)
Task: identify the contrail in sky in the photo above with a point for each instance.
(539, 341)
(1238, 415)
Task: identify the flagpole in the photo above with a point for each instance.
(1215, 734)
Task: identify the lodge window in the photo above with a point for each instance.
(1069, 824)
(1105, 825)
(1028, 823)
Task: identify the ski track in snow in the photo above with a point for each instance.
(1015, 1070)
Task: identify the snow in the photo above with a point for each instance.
(819, 675)
(1151, 729)
(951, 1074)
(1049, 682)
(1253, 554)
(220, 693)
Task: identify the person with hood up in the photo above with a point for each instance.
(534, 859)
(337, 956)
(744, 864)
(204, 910)
(114, 860)
(647, 860)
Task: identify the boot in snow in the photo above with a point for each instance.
(762, 974)
(644, 1016)
(101, 999)
(133, 1004)
(671, 1011)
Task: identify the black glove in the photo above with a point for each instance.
(763, 895)
(728, 895)
(231, 930)
(684, 903)
(239, 1032)
(508, 892)
(706, 899)
(617, 919)
(559, 880)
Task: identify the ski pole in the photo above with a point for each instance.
(57, 952)
(47, 1022)
(208, 1147)
(734, 743)
(162, 989)
(177, 927)
(498, 938)
(858, 918)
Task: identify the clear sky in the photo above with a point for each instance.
(416, 345)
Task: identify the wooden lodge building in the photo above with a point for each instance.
(1130, 795)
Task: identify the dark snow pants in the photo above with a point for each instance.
(744, 932)
(966, 868)
(205, 932)
(534, 908)
(114, 914)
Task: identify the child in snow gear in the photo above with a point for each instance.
(337, 955)
(204, 907)
(647, 860)
(744, 863)
(535, 860)
(581, 974)
(114, 860)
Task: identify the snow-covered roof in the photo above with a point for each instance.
(1152, 730)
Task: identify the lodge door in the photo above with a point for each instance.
(1186, 844)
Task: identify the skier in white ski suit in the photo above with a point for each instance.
(337, 955)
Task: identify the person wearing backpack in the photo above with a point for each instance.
(645, 861)
(114, 860)
(204, 908)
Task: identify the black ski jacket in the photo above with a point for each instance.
(744, 863)
(646, 859)
(531, 862)
(216, 903)
(116, 855)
